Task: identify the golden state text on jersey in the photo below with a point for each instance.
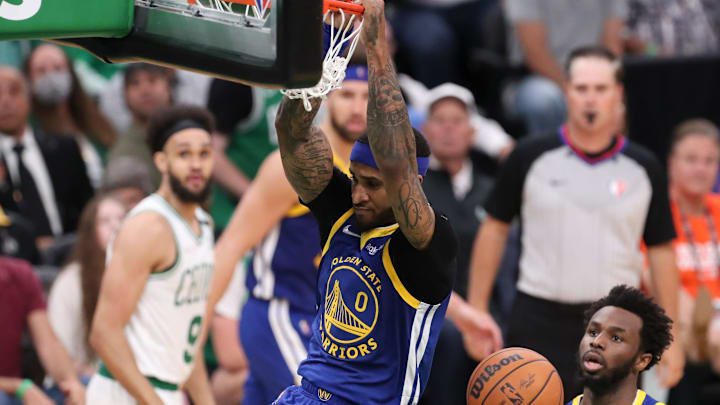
(372, 340)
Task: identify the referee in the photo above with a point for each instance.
(587, 197)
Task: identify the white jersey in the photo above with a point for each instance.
(164, 331)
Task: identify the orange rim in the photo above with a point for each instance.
(336, 5)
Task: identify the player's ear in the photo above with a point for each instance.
(642, 361)
(420, 176)
(160, 159)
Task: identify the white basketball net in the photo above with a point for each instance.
(233, 7)
(334, 64)
(237, 12)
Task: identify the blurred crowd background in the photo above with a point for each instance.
(84, 163)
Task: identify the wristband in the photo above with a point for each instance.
(22, 389)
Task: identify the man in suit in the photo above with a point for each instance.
(47, 181)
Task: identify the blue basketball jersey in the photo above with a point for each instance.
(372, 342)
(284, 265)
(641, 398)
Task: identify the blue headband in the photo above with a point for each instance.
(361, 153)
(356, 72)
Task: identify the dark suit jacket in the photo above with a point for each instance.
(68, 176)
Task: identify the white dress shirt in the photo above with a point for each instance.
(34, 162)
(462, 181)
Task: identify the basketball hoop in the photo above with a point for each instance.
(334, 64)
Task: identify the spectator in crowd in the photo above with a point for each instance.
(245, 136)
(693, 166)
(545, 31)
(74, 294)
(673, 27)
(48, 181)
(16, 233)
(148, 89)
(128, 180)
(457, 184)
(22, 306)
(60, 106)
(586, 197)
(459, 178)
(188, 88)
(438, 36)
(490, 138)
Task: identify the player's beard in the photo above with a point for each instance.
(342, 130)
(601, 385)
(384, 218)
(187, 196)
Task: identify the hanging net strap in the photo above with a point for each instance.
(334, 64)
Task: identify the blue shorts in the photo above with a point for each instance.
(308, 394)
(275, 339)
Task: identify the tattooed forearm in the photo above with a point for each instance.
(410, 207)
(389, 130)
(393, 145)
(305, 152)
(292, 118)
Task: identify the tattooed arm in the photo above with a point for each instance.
(391, 136)
(304, 150)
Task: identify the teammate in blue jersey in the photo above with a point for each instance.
(387, 264)
(626, 333)
(282, 272)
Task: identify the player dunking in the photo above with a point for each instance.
(149, 317)
(387, 266)
(626, 333)
(282, 273)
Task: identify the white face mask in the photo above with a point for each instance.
(53, 88)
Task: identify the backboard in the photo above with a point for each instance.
(271, 43)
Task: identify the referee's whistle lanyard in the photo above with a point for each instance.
(694, 251)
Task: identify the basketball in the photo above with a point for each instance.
(515, 376)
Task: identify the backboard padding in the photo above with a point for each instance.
(286, 55)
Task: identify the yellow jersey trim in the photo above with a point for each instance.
(341, 165)
(376, 233)
(399, 287)
(335, 228)
(639, 397)
(297, 211)
(4, 219)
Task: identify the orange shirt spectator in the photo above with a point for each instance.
(693, 166)
(697, 248)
